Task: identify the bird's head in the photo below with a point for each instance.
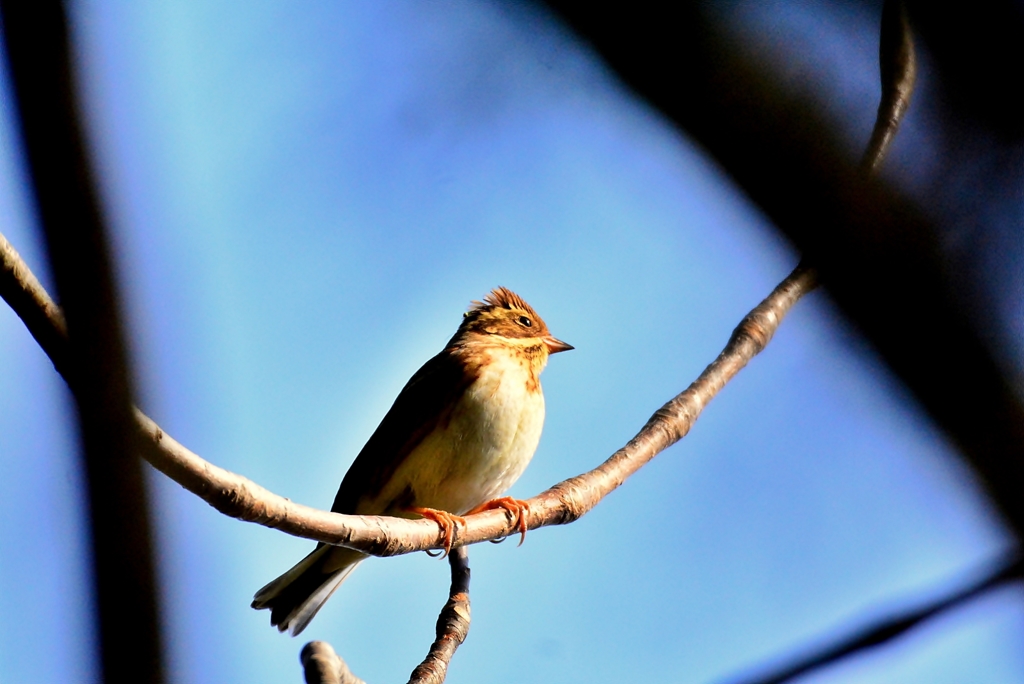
(504, 317)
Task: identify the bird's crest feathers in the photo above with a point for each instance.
(501, 297)
(502, 313)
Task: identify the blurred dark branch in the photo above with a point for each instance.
(878, 257)
(978, 55)
(885, 630)
(93, 358)
(563, 503)
(323, 666)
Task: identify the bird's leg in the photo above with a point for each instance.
(444, 519)
(517, 507)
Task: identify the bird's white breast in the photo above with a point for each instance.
(485, 446)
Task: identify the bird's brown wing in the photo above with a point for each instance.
(425, 403)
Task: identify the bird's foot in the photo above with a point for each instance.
(445, 520)
(517, 507)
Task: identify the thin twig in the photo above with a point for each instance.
(452, 624)
(91, 351)
(44, 319)
(566, 502)
(886, 630)
(323, 665)
(898, 71)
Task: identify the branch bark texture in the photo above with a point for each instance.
(241, 498)
(322, 665)
(452, 624)
(897, 63)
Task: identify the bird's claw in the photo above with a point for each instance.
(517, 507)
(445, 520)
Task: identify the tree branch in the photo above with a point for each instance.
(323, 666)
(452, 624)
(897, 62)
(25, 294)
(241, 498)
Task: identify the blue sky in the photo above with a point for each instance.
(305, 198)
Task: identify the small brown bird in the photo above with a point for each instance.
(461, 431)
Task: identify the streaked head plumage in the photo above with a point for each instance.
(504, 314)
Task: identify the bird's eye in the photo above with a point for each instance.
(525, 321)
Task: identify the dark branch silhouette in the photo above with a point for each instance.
(887, 629)
(879, 258)
(89, 349)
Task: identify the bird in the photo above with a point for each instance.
(460, 432)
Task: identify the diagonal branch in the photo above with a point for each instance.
(566, 502)
(43, 318)
(886, 630)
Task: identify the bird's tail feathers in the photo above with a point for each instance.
(296, 596)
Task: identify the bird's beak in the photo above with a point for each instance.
(555, 345)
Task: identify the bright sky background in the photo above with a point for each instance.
(306, 197)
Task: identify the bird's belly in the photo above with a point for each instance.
(489, 440)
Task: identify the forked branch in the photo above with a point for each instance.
(323, 666)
